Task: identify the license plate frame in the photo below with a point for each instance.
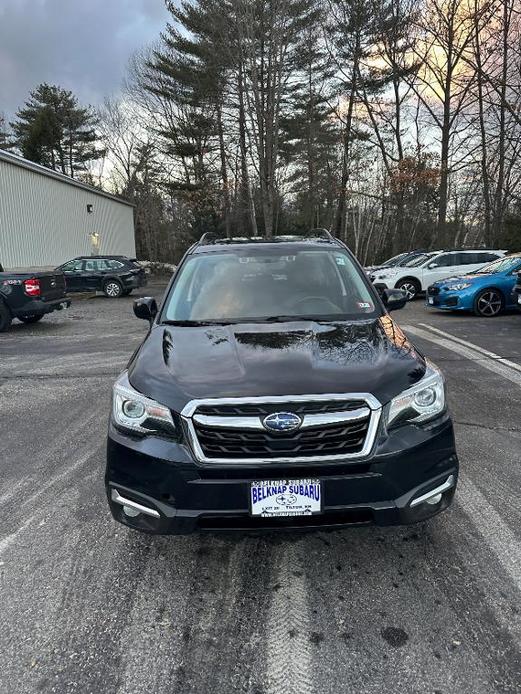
(285, 498)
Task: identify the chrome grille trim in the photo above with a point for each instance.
(374, 409)
(309, 420)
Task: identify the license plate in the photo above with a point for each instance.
(431, 301)
(64, 304)
(519, 298)
(285, 498)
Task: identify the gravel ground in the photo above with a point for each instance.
(90, 606)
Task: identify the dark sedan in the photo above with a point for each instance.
(114, 275)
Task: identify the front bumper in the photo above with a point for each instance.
(448, 302)
(180, 496)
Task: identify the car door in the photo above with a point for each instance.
(95, 269)
(441, 267)
(462, 263)
(73, 271)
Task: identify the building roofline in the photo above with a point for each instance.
(16, 160)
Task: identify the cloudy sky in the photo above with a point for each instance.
(82, 45)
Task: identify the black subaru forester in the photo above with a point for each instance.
(273, 390)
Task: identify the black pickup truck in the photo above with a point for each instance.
(29, 295)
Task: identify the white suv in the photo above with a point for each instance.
(428, 268)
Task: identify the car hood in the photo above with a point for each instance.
(470, 278)
(177, 364)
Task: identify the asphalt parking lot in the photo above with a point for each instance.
(89, 606)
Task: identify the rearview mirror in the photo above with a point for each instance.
(145, 308)
(394, 299)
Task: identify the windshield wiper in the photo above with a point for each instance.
(195, 323)
(286, 319)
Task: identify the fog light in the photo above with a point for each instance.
(129, 511)
(434, 500)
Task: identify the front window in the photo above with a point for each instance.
(501, 265)
(418, 260)
(72, 266)
(396, 260)
(265, 285)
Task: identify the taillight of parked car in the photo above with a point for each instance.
(32, 287)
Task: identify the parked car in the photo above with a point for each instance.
(274, 390)
(30, 295)
(486, 292)
(114, 275)
(400, 259)
(425, 270)
(517, 290)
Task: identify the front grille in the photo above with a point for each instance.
(263, 409)
(286, 472)
(451, 301)
(355, 516)
(332, 427)
(329, 440)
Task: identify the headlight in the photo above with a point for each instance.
(458, 287)
(423, 401)
(137, 413)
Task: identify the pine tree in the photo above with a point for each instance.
(5, 140)
(310, 134)
(189, 73)
(53, 130)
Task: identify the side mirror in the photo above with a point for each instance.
(145, 308)
(394, 299)
(431, 266)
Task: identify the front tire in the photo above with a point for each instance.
(411, 288)
(30, 319)
(5, 318)
(113, 289)
(488, 303)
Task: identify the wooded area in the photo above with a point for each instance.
(394, 123)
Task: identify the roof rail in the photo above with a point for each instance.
(209, 236)
(320, 232)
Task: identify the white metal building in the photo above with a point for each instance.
(47, 218)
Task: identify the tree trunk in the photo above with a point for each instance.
(224, 173)
(497, 221)
(483, 135)
(340, 219)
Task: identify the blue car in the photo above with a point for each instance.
(486, 292)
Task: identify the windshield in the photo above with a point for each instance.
(418, 260)
(396, 260)
(501, 265)
(264, 285)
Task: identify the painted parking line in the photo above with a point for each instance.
(471, 345)
(496, 533)
(488, 360)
